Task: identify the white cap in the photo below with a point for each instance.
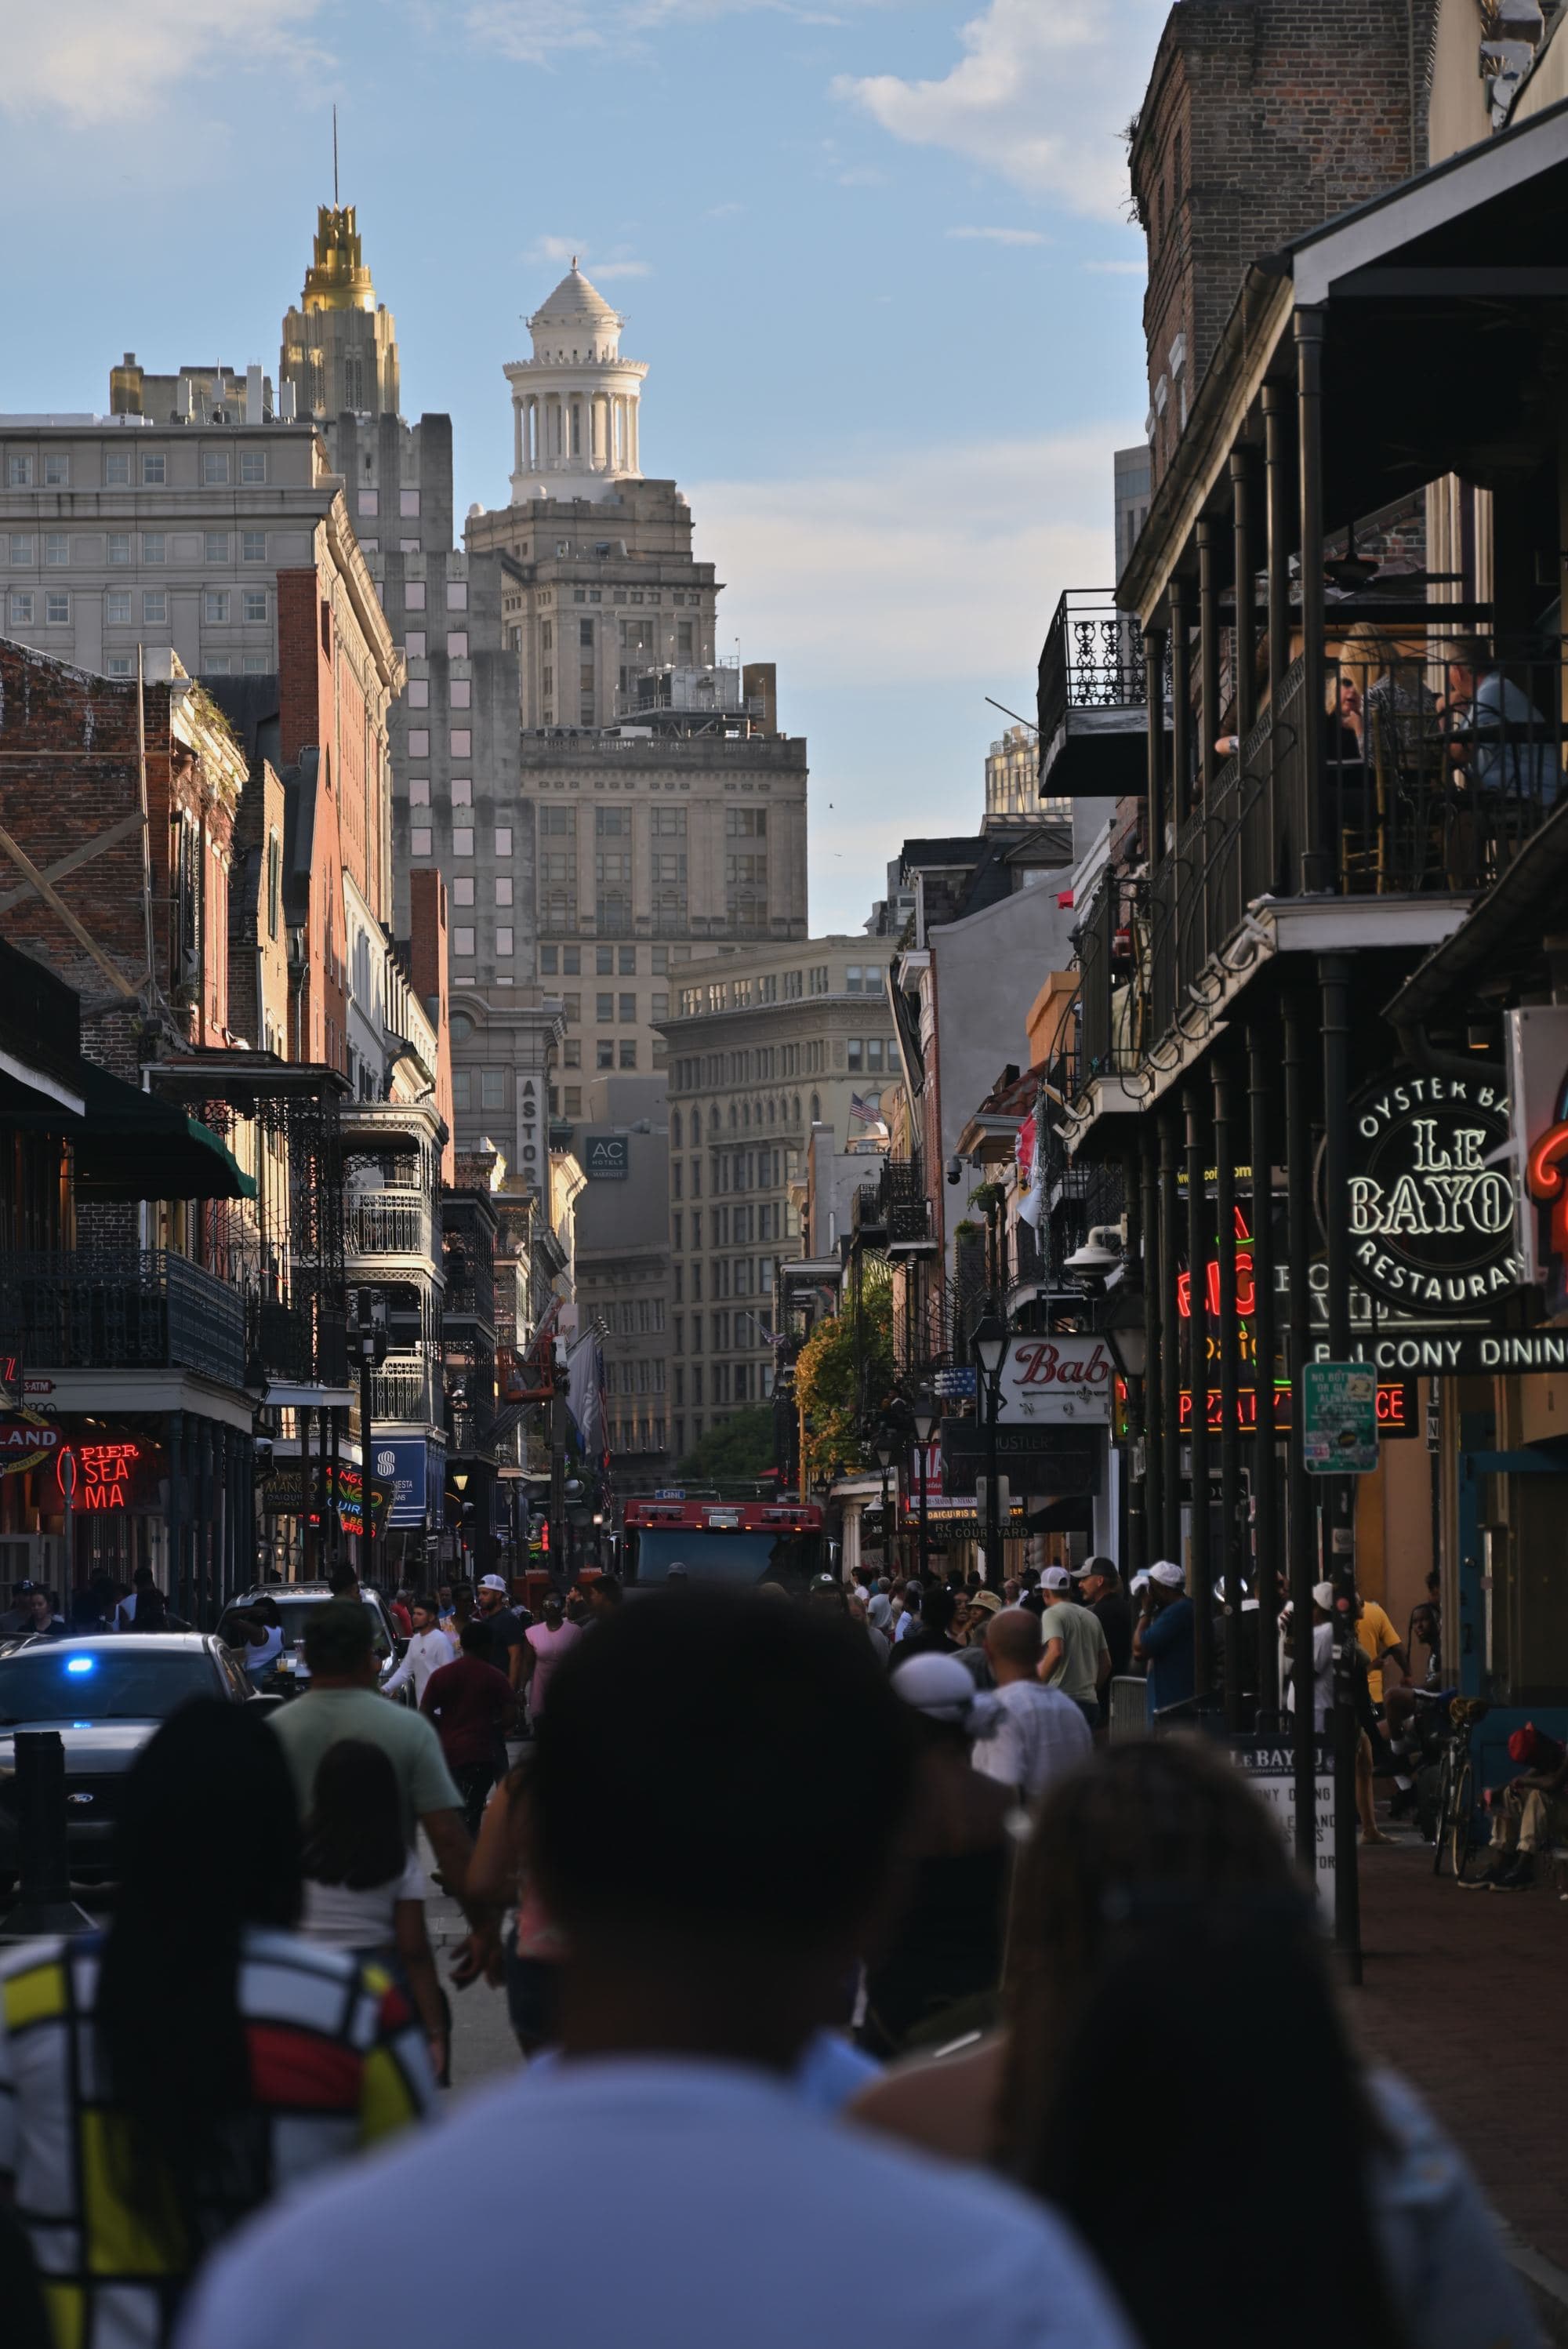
(1056, 1578)
(1169, 1577)
(1324, 1594)
(492, 1582)
(1139, 1580)
(938, 1686)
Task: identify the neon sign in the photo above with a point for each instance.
(96, 1475)
(1395, 1409)
(1246, 1293)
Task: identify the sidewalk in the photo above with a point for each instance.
(1463, 1993)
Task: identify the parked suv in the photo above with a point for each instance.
(295, 1602)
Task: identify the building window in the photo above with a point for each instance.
(460, 1089)
(253, 604)
(418, 790)
(492, 1088)
(628, 1011)
(572, 1050)
(57, 611)
(215, 544)
(408, 502)
(215, 604)
(414, 643)
(457, 594)
(573, 1101)
(604, 1052)
(116, 469)
(418, 693)
(503, 841)
(152, 545)
(604, 1009)
(116, 607)
(155, 604)
(744, 823)
(462, 843)
(253, 547)
(370, 502)
(628, 1052)
(612, 864)
(503, 889)
(274, 884)
(119, 665)
(257, 664)
(463, 942)
(460, 693)
(253, 464)
(503, 938)
(57, 470)
(216, 664)
(413, 595)
(462, 790)
(419, 741)
(420, 841)
(21, 609)
(18, 472)
(214, 467)
(461, 743)
(154, 468)
(458, 645)
(548, 962)
(21, 547)
(463, 889)
(56, 549)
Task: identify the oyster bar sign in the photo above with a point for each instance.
(1431, 1195)
(1047, 1379)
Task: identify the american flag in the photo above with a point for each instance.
(862, 1114)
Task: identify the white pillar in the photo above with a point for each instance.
(632, 418)
(517, 432)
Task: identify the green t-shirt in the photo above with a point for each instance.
(308, 1725)
(1083, 1644)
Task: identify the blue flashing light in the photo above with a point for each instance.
(81, 1663)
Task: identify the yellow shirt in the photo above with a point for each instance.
(1376, 1635)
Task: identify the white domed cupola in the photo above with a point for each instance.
(574, 403)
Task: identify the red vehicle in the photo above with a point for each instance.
(724, 1541)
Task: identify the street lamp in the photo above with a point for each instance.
(989, 1347)
(926, 1417)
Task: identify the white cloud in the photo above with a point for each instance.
(569, 252)
(999, 235)
(100, 61)
(1041, 96)
(606, 271)
(939, 564)
(534, 32)
(1117, 268)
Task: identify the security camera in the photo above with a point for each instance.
(955, 1170)
(262, 1451)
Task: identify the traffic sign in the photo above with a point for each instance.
(1339, 1418)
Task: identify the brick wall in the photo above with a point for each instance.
(1261, 119)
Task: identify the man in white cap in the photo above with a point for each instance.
(1036, 1733)
(1322, 1657)
(1075, 1657)
(504, 1646)
(1163, 1637)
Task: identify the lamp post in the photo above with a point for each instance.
(925, 1416)
(989, 1347)
(884, 1443)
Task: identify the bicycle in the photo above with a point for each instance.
(1452, 1830)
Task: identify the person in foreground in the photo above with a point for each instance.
(1165, 1960)
(689, 1828)
(161, 2081)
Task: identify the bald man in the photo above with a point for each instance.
(1037, 1732)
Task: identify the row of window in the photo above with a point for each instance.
(640, 1376)
(727, 1383)
(636, 1435)
(416, 639)
(461, 793)
(123, 467)
(756, 1064)
(460, 692)
(629, 1317)
(463, 889)
(770, 987)
(617, 595)
(219, 606)
(740, 1276)
(414, 596)
(761, 1219)
(459, 742)
(612, 911)
(607, 961)
(407, 503)
(742, 1332)
(54, 547)
(464, 949)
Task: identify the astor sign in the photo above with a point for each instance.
(1047, 1379)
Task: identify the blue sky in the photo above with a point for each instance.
(873, 251)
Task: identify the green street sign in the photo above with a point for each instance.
(1339, 1418)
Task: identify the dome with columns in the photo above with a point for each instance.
(574, 403)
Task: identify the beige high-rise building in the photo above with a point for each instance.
(668, 811)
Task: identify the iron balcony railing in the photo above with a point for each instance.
(1092, 659)
(1431, 779)
(402, 1390)
(303, 1344)
(121, 1309)
(388, 1223)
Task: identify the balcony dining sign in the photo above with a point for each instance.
(1431, 1192)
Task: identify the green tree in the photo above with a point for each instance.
(740, 1447)
(839, 1385)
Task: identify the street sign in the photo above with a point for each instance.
(1339, 1419)
(1270, 1765)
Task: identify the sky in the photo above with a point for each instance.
(876, 253)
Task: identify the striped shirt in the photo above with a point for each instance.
(337, 2062)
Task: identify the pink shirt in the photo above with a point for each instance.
(548, 1647)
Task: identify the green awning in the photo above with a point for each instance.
(130, 1145)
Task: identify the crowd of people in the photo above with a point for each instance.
(811, 1917)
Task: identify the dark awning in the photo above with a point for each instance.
(128, 1145)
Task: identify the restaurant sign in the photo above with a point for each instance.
(1056, 1379)
(1431, 1195)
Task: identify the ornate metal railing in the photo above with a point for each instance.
(131, 1309)
(389, 1223)
(1092, 659)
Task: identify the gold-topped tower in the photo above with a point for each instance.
(337, 278)
(340, 346)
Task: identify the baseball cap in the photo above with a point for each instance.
(1139, 1581)
(986, 1601)
(938, 1686)
(1169, 1577)
(1324, 1594)
(492, 1582)
(821, 1582)
(1056, 1578)
(1093, 1566)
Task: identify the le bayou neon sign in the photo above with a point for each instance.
(96, 1475)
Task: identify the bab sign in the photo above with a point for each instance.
(1056, 1379)
(1431, 1198)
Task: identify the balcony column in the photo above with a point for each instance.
(1303, 1560)
(1155, 690)
(1263, 1066)
(516, 433)
(1246, 565)
(1170, 1339)
(1276, 467)
(1208, 662)
(310, 1536)
(1153, 1395)
(1310, 327)
(1181, 703)
(179, 1595)
(1228, 1338)
(1198, 1228)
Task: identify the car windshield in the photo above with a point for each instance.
(707, 1557)
(121, 1681)
(293, 1614)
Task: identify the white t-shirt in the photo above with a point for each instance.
(1322, 1676)
(426, 1652)
(688, 2155)
(346, 1919)
(1040, 1732)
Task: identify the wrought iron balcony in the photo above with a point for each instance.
(401, 1391)
(300, 1344)
(1093, 697)
(388, 1223)
(121, 1309)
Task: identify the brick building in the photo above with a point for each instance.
(1260, 118)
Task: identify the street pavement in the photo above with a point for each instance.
(482, 2043)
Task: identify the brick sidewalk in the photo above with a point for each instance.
(1463, 1992)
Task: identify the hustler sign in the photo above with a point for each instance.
(1431, 1202)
